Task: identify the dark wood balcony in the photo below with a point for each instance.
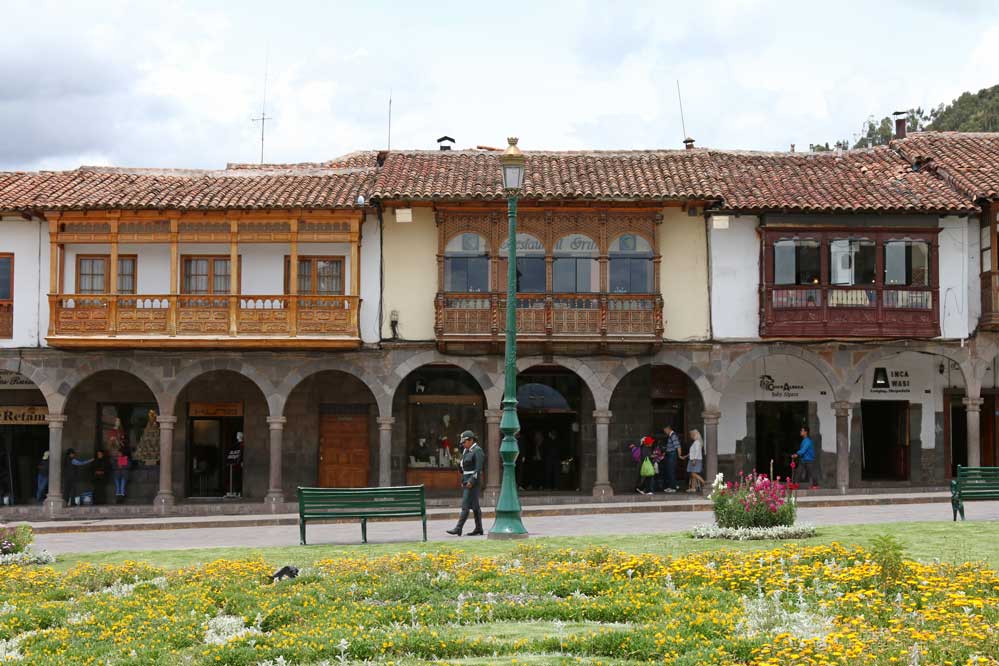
(6, 319)
(818, 311)
(585, 319)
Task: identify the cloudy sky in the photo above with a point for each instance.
(176, 83)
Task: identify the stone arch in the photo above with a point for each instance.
(970, 374)
(144, 373)
(825, 370)
(593, 381)
(710, 395)
(492, 389)
(375, 384)
(191, 372)
(54, 394)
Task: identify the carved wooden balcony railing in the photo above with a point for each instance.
(557, 317)
(180, 320)
(810, 311)
(990, 301)
(6, 319)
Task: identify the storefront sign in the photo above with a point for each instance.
(23, 415)
(890, 380)
(13, 380)
(780, 389)
(214, 409)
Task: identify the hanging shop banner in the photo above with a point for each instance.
(214, 409)
(13, 380)
(23, 415)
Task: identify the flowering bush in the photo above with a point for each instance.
(15, 539)
(753, 533)
(755, 501)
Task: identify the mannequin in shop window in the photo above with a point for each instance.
(234, 463)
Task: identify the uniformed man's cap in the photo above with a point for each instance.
(468, 434)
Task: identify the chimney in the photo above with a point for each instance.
(445, 142)
(792, 147)
(900, 124)
(688, 143)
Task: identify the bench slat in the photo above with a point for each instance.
(361, 503)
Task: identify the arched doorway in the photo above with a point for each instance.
(23, 439)
(109, 411)
(221, 442)
(645, 401)
(557, 439)
(432, 406)
(331, 434)
(764, 406)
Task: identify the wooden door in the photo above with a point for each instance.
(344, 454)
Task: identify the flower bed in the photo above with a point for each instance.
(791, 605)
(753, 533)
(755, 501)
(16, 548)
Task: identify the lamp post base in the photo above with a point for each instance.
(506, 536)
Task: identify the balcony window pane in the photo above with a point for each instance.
(564, 275)
(531, 275)
(220, 274)
(852, 262)
(631, 269)
(329, 276)
(6, 278)
(196, 276)
(305, 276)
(907, 263)
(478, 274)
(126, 275)
(797, 262)
(466, 264)
(92, 272)
(575, 268)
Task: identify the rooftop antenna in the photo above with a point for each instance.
(390, 121)
(679, 98)
(263, 107)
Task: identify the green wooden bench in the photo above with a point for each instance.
(363, 503)
(973, 484)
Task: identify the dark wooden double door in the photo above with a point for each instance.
(344, 446)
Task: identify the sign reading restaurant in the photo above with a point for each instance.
(214, 409)
(23, 415)
(14, 380)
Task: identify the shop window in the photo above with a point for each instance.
(797, 262)
(575, 268)
(631, 269)
(132, 426)
(531, 277)
(316, 275)
(466, 264)
(93, 274)
(6, 295)
(206, 275)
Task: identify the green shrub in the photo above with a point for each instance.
(15, 539)
(889, 554)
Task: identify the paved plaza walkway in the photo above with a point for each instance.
(539, 526)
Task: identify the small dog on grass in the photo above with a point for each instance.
(284, 572)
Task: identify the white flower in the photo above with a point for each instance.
(802, 531)
(224, 628)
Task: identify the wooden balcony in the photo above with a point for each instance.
(807, 311)
(192, 321)
(990, 301)
(6, 319)
(601, 319)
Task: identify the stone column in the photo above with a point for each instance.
(710, 445)
(385, 450)
(602, 486)
(54, 501)
(842, 410)
(275, 492)
(972, 408)
(164, 498)
(493, 461)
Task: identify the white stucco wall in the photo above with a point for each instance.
(735, 277)
(974, 274)
(371, 278)
(684, 276)
(27, 240)
(954, 277)
(410, 255)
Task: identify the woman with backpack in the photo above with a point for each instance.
(120, 464)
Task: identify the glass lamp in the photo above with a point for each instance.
(513, 163)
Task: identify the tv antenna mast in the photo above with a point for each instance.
(679, 98)
(390, 121)
(263, 107)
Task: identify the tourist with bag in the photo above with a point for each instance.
(646, 470)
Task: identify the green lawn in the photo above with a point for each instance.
(943, 540)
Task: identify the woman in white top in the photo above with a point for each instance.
(695, 462)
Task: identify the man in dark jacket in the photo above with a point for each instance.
(473, 461)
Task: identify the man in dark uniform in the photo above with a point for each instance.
(473, 460)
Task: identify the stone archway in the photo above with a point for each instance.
(24, 439)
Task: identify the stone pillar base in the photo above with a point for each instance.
(603, 490)
(55, 506)
(274, 500)
(163, 502)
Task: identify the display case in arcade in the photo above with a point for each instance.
(432, 448)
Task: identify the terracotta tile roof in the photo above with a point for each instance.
(110, 188)
(967, 160)
(875, 180)
(359, 159)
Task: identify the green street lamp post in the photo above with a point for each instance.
(508, 524)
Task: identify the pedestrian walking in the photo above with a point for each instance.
(642, 454)
(120, 465)
(42, 478)
(473, 461)
(672, 455)
(806, 455)
(695, 462)
(100, 476)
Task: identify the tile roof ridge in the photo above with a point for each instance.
(267, 170)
